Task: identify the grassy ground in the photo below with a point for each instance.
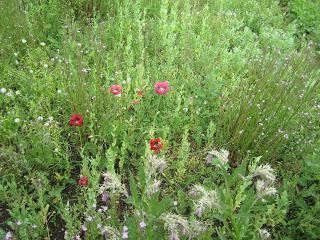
(214, 136)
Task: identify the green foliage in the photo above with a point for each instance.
(239, 80)
(305, 13)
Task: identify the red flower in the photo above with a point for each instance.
(83, 181)
(76, 120)
(115, 89)
(156, 145)
(161, 87)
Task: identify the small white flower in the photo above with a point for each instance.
(24, 41)
(59, 91)
(18, 92)
(42, 44)
(185, 109)
(8, 236)
(18, 222)
(50, 118)
(142, 224)
(264, 234)
(45, 65)
(84, 228)
(9, 94)
(40, 118)
(17, 120)
(15, 54)
(3, 90)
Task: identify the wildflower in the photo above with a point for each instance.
(264, 189)
(83, 181)
(42, 44)
(76, 120)
(24, 41)
(18, 222)
(40, 118)
(115, 89)
(34, 226)
(89, 218)
(156, 164)
(77, 237)
(3, 90)
(125, 233)
(113, 184)
(142, 224)
(105, 197)
(18, 92)
(84, 228)
(177, 224)
(156, 145)
(161, 87)
(266, 172)
(9, 94)
(59, 91)
(17, 120)
(8, 236)
(153, 187)
(264, 234)
(222, 156)
(207, 199)
(45, 65)
(110, 233)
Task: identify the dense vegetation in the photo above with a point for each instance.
(149, 119)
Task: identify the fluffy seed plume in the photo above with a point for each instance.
(264, 189)
(266, 172)
(112, 184)
(222, 156)
(178, 225)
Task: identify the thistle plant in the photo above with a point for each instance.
(240, 197)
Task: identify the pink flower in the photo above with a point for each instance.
(115, 89)
(161, 87)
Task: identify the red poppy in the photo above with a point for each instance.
(161, 87)
(83, 181)
(115, 89)
(156, 145)
(76, 120)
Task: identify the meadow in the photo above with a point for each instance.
(149, 119)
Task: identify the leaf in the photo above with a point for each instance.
(142, 178)
(90, 148)
(134, 192)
